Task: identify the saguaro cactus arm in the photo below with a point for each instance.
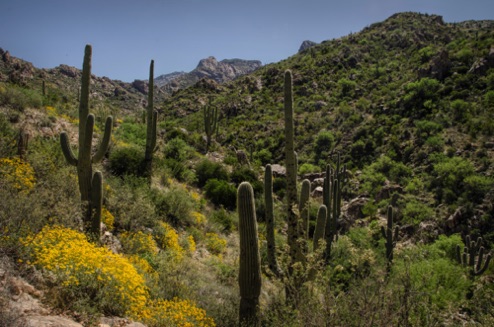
(249, 278)
(105, 142)
(66, 149)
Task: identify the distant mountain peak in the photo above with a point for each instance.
(218, 71)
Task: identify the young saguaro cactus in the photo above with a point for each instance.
(473, 256)
(84, 159)
(151, 121)
(249, 277)
(390, 236)
(268, 200)
(210, 123)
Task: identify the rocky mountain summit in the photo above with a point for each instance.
(210, 68)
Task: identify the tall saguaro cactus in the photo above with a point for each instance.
(249, 277)
(151, 121)
(473, 256)
(390, 236)
(88, 185)
(292, 212)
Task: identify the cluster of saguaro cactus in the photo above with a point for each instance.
(249, 277)
(151, 121)
(391, 237)
(210, 123)
(90, 183)
(473, 256)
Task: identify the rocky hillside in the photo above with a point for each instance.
(209, 68)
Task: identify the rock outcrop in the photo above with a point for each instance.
(208, 68)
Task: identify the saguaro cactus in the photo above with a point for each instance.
(322, 214)
(473, 256)
(84, 159)
(268, 200)
(249, 277)
(292, 213)
(390, 236)
(151, 121)
(210, 123)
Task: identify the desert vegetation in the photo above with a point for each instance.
(348, 185)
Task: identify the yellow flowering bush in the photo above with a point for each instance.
(177, 313)
(107, 218)
(215, 244)
(191, 244)
(113, 283)
(83, 268)
(199, 218)
(17, 173)
(168, 240)
(138, 243)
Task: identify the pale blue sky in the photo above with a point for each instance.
(127, 34)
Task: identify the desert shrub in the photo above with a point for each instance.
(131, 133)
(415, 211)
(246, 174)
(419, 96)
(132, 206)
(84, 271)
(177, 312)
(435, 275)
(138, 243)
(127, 160)
(168, 239)
(221, 193)
(215, 243)
(206, 170)
(177, 153)
(307, 168)
(175, 205)
(264, 156)
(19, 98)
(18, 173)
(450, 175)
(223, 219)
(7, 136)
(385, 168)
(323, 144)
(477, 186)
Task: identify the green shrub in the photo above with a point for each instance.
(127, 160)
(450, 175)
(246, 174)
(174, 205)
(221, 193)
(223, 219)
(206, 170)
(19, 98)
(131, 133)
(264, 156)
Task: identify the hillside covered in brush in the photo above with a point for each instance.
(399, 116)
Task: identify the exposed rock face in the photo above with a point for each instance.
(218, 71)
(306, 45)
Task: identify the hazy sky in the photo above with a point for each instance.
(127, 34)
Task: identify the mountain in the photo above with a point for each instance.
(218, 71)
(412, 91)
